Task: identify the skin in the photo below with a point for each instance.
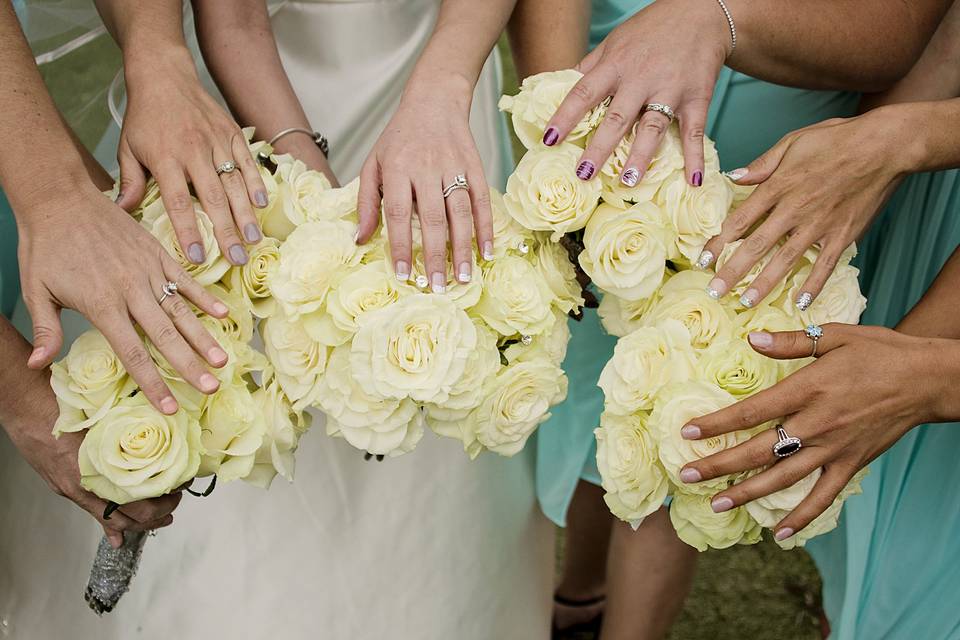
(196, 134)
(79, 250)
(28, 410)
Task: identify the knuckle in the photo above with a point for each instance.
(216, 198)
(136, 356)
(581, 91)
(432, 217)
(756, 243)
(167, 335)
(461, 209)
(180, 204)
(654, 125)
(617, 118)
(482, 199)
(695, 133)
(178, 308)
(396, 212)
(436, 256)
(749, 416)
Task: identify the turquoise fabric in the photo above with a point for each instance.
(747, 117)
(9, 274)
(890, 569)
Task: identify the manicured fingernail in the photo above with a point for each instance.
(119, 196)
(217, 355)
(705, 259)
(736, 174)
(690, 475)
(783, 534)
(749, 298)
(690, 432)
(238, 255)
(403, 271)
(721, 504)
(760, 339)
(465, 274)
(209, 383)
(220, 309)
(697, 178)
(550, 136)
(630, 177)
(37, 356)
(439, 283)
(260, 197)
(195, 253)
(169, 405)
(804, 301)
(586, 170)
(252, 233)
(716, 288)
(488, 251)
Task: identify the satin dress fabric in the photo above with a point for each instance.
(429, 545)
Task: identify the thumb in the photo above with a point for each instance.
(788, 345)
(133, 180)
(47, 332)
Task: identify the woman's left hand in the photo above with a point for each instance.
(868, 387)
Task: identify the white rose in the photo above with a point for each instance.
(665, 163)
(463, 294)
(283, 428)
(213, 267)
(697, 213)
(771, 509)
(251, 280)
(551, 344)
(741, 287)
(232, 431)
(706, 319)
(516, 299)
(839, 301)
(300, 192)
(553, 263)
(367, 289)
(298, 360)
(508, 234)
(701, 528)
(736, 368)
(771, 319)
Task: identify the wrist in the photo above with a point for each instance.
(145, 65)
(33, 199)
(946, 379)
(906, 146)
(440, 86)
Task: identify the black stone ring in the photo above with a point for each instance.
(786, 445)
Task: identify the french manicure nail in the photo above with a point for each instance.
(252, 233)
(208, 382)
(217, 355)
(630, 177)
(403, 271)
(168, 405)
(804, 301)
(439, 284)
(586, 170)
(760, 339)
(690, 475)
(488, 251)
(716, 288)
(550, 136)
(705, 259)
(697, 178)
(721, 504)
(783, 534)
(736, 174)
(220, 309)
(238, 255)
(749, 298)
(690, 432)
(260, 198)
(464, 272)
(195, 253)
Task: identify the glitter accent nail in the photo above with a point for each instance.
(705, 259)
(736, 174)
(749, 298)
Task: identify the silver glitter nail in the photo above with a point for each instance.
(705, 259)
(523, 247)
(713, 293)
(804, 301)
(526, 340)
(422, 281)
(746, 301)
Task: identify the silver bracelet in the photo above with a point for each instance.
(733, 27)
(318, 138)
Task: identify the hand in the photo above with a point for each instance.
(426, 144)
(79, 250)
(821, 185)
(669, 53)
(868, 387)
(174, 130)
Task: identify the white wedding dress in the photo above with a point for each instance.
(426, 546)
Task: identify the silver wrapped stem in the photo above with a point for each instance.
(112, 571)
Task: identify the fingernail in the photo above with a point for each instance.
(168, 405)
(630, 177)
(783, 534)
(465, 269)
(721, 504)
(439, 283)
(585, 170)
(736, 174)
(749, 298)
(716, 288)
(209, 383)
(690, 475)
(119, 196)
(195, 253)
(403, 271)
(550, 136)
(356, 236)
(488, 251)
(804, 301)
(116, 542)
(37, 356)
(690, 432)
(252, 232)
(697, 178)
(705, 259)
(217, 355)
(760, 339)
(260, 197)
(220, 309)
(238, 255)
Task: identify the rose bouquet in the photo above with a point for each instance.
(682, 352)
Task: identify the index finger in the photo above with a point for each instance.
(782, 399)
(591, 90)
(133, 354)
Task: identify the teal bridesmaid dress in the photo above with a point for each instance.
(9, 274)
(746, 118)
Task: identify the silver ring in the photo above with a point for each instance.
(169, 290)
(814, 332)
(459, 182)
(226, 167)
(786, 445)
(660, 108)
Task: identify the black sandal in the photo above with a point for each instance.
(590, 626)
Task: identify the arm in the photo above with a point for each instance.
(238, 44)
(544, 38)
(935, 315)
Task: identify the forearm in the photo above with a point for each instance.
(935, 315)
(544, 37)
(27, 392)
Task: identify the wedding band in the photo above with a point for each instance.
(169, 290)
(814, 332)
(226, 167)
(786, 445)
(660, 108)
(459, 182)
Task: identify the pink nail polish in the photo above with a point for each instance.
(690, 432)
(719, 505)
(209, 383)
(690, 475)
(760, 339)
(168, 405)
(220, 309)
(783, 534)
(217, 355)
(698, 179)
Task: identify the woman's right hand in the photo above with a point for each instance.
(79, 250)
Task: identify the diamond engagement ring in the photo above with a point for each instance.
(459, 182)
(169, 290)
(814, 332)
(226, 167)
(660, 108)
(786, 445)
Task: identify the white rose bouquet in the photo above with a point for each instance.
(682, 353)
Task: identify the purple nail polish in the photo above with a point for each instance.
(698, 178)
(238, 255)
(252, 232)
(551, 136)
(261, 199)
(630, 177)
(586, 170)
(195, 253)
